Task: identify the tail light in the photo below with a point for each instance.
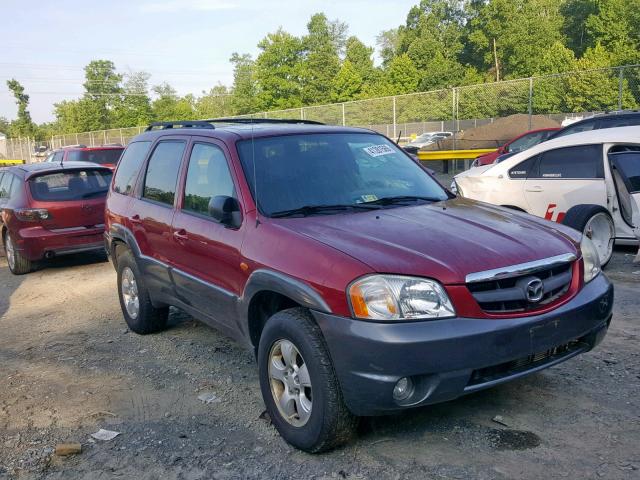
(32, 214)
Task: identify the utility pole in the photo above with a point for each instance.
(495, 58)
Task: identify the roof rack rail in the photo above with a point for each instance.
(264, 120)
(180, 124)
(77, 145)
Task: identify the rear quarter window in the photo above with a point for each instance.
(129, 166)
(579, 162)
(523, 169)
(70, 185)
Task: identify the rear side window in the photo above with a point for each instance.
(579, 162)
(620, 121)
(129, 166)
(208, 176)
(162, 172)
(103, 157)
(5, 185)
(523, 169)
(70, 185)
(578, 127)
(628, 164)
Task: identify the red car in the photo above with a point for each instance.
(518, 144)
(361, 285)
(106, 155)
(47, 209)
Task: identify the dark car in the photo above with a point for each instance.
(361, 284)
(105, 155)
(623, 118)
(515, 145)
(47, 209)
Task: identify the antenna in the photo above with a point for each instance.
(398, 139)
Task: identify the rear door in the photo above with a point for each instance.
(151, 214)
(74, 198)
(565, 177)
(208, 275)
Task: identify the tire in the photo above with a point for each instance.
(18, 264)
(595, 222)
(329, 423)
(142, 318)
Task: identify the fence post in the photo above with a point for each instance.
(394, 119)
(530, 101)
(104, 133)
(77, 140)
(121, 138)
(620, 87)
(344, 118)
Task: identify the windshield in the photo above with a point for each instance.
(70, 185)
(103, 157)
(296, 171)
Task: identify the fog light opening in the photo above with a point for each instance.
(403, 389)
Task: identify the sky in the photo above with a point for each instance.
(187, 43)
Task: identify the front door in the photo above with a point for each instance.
(208, 274)
(625, 170)
(563, 178)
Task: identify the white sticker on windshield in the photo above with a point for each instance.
(378, 150)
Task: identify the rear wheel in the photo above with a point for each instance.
(139, 313)
(299, 386)
(18, 264)
(595, 222)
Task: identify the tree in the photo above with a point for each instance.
(277, 71)
(133, 108)
(509, 37)
(169, 106)
(4, 125)
(244, 96)
(102, 87)
(388, 41)
(218, 102)
(321, 62)
(347, 84)
(401, 76)
(23, 125)
(360, 57)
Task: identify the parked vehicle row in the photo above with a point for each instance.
(361, 285)
(105, 155)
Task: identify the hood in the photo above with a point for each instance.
(445, 240)
(473, 171)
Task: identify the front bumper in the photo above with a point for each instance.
(452, 357)
(36, 243)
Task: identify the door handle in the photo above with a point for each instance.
(534, 188)
(136, 219)
(181, 235)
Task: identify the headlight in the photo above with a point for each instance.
(394, 297)
(454, 187)
(590, 259)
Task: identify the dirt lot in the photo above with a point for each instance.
(69, 366)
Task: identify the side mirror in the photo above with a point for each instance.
(225, 210)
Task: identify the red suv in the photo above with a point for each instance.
(47, 209)
(361, 284)
(106, 155)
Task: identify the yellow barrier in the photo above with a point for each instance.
(453, 154)
(8, 163)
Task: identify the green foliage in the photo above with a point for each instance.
(23, 125)
(169, 106)
(244, 95)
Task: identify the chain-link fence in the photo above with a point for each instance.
(456, 109)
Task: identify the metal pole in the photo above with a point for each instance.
(121, 138)
(620, 87)
(344, 118)
(530, 101)
(301, 113)
(394, 119)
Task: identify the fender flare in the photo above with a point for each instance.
(297, 290)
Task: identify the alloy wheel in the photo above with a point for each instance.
(129, 288)
(601, 231)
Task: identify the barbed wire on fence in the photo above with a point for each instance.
(451, 109)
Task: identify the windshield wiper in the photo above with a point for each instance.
(400, 199)
(311, 209)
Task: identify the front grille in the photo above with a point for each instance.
(509, 295)
(496, 372)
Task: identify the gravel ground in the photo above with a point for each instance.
(69, 366)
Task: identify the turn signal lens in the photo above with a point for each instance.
(32, 214)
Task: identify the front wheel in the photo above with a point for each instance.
(595, 222)
(18, 264)
(299, 386)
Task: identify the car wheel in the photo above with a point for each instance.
(139, 313)
(299, 385)
(18, 264)
(595, 222)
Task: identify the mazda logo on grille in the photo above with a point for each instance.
(534, 290)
